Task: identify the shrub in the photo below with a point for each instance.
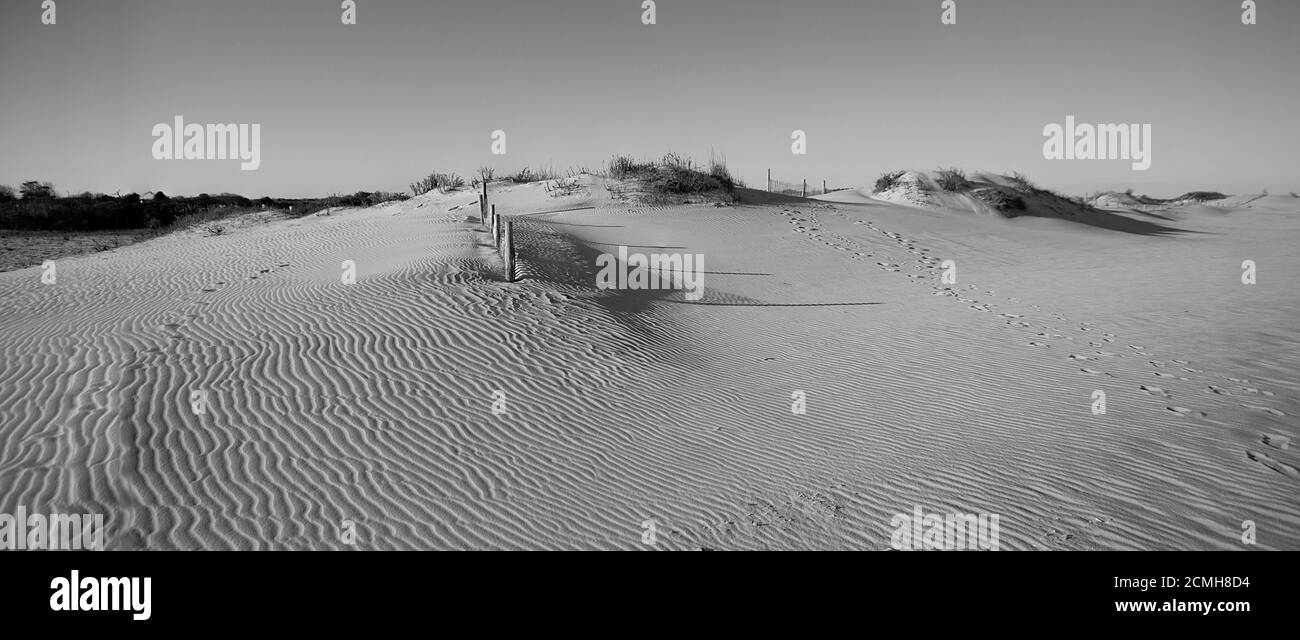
(1021, 183)
(680, 179)
(951, 179)
(564, 187)
(33, 190)
(722, 174)
(7, 194)
(440, 181)
(1201, 196)
(622, 166)
(533, 175)
(1002, 201)
(887, 180)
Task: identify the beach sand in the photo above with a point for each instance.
(371, 403)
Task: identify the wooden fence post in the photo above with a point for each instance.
(508, 250)
(805, 187)
(496, 232)
(769, 180)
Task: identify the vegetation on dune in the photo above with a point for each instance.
(40, 208)
(1021, 183)
(1201, 196)
(1004, 201)
(951, 179)
(441, 181)
(887, 180)
(675, 175)
(1190, 196)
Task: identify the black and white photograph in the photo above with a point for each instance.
(648, 275)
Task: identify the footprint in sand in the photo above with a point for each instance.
(1155, 391)
(1183, 411)
(1075, 356)
(1039, 344)
(1162, 374)
(1277, 442)
(1280, 467)
(1267, 410)
(1091, 372)
(1219, 390)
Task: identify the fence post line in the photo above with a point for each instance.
(508, 251)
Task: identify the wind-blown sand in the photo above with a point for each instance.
(371, 402)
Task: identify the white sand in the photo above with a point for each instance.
(371, 402)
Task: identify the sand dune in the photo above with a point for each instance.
(371, 402)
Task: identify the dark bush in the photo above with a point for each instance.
(33, 190)
(887, 180)
(951, 179)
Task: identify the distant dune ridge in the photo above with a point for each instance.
(432, 404)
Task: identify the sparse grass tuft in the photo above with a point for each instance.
(887, 180)
(622, 166)
(528, 174)
(951, 179)
(441, 181)
(564, 187)
(1021, 183)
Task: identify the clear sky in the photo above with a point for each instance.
(420, 85)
